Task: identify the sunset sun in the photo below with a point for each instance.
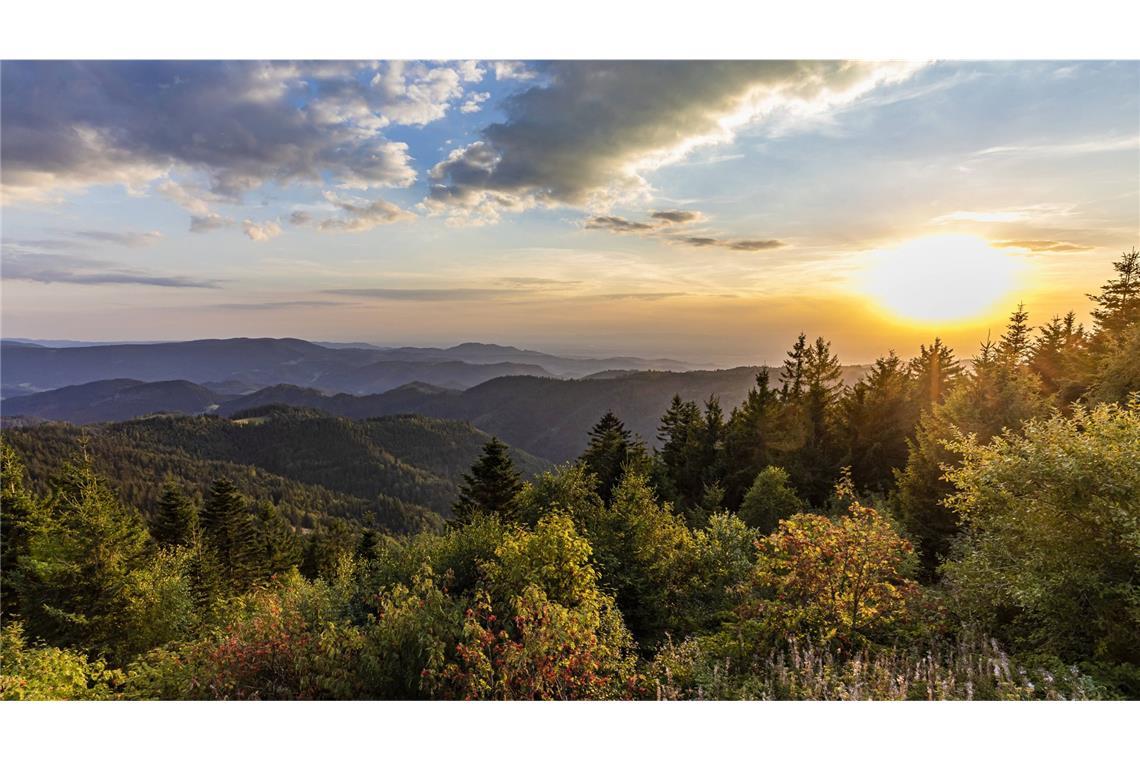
(940, 279)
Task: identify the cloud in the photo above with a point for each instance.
(236, 124)
(474, 102)
(425, 294)
(591, 132)
(542, 282)
(678, 217)
(269, 305)
(1042, 246)
(360, 215)
(128, 239)
(209, 222)
(260, 232)
(617, 224)
(755, 245)
(53, 268)
(635, 296)
(300, 218)
(507, 70)
(663, 225)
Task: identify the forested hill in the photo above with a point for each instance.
(548, 417)
(398, 473)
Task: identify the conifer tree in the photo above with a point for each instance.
(228, 533)
(1015, 343)
(935, 370)
(749, 439)
(878, 416)
(280, 548)
(74, 580)
(792, 375)
(611, 452)
(177, 521)
(492, 486)
(1118, 303)
(21, 516)
(681, 436)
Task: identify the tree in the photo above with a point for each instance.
(177, 521)
(770, 500)
(1058, 356)
(22, 515)
(997, 396)
(1050, 558)
(847, 579)
(935, 371)
(792, 375)
(877, 416)
(814, 464)
(1118, 303)
(229, 535)
(748, 440)
(75, 580)
(1017, 340)
(492, 487)
(612, 451)
(681, 433)
(280, 548)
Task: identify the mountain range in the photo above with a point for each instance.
(246, 364)
(547, 417)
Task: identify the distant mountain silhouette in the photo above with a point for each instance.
(546, 416)
(251, 363)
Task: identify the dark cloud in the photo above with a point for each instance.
(616, 224)
(1043, 246)
(300, 218)
(238, 124)
(755, 245)
(678, 217)
(663, 226)
(585, 133)
(51, 268)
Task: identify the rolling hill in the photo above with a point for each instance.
(400, 473)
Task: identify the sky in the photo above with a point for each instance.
(705, 211)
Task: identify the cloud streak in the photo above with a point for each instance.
(51, 268)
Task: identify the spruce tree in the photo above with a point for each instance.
(492, 486)
(749, 439)
(878, 415)
(279, 546)
(1118, 303)
(176, 523)
(612, 451)
(229, 535)
(21, 516)
(935, 370)
(681, 435)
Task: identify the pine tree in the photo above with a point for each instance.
(681, 436)
(74, 580)
(176, 523)
(611, 452)
(1015, 343)
(878, 415)
(792, 376)
(935, 371)
(21, 516)
(492, 486)
(280, 548)
(1118, 303)
(814, 465)
(229, 535)
(748, 441)
(1057, 356)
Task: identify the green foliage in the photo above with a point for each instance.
(770, 500)
(229, 536)
(1052, 551)
(50, 673)
(846, 579)
(22, 516)
(75, 580)
(492, 487)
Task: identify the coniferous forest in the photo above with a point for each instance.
(946, 527)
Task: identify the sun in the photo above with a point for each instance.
(940, 279)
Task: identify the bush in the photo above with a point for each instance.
(30, 673)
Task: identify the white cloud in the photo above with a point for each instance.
(260, 231)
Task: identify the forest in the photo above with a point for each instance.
(943, 528)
